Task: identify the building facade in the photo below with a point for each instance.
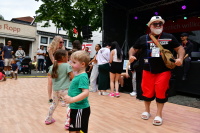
(20, 35)
(29, 35)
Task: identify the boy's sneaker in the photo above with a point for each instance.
(42, 71)
(133, 94)
(49, 122)
(117, 94)
(38, 71)
(112, 94)
(66, 127)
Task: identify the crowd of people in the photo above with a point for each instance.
(68, 80)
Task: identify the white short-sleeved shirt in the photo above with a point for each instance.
(41, 56)
(103, 56)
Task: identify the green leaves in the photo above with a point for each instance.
(1, 17)
(71, 13)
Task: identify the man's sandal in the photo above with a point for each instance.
(145, 115)
(157, 121)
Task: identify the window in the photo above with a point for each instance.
(50, 40)
(44, 40)
(65, 43)
(45, 48)
(69, 45)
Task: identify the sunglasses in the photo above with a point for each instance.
(157, 24)
(61, 42)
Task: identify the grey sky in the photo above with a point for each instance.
(18, 8)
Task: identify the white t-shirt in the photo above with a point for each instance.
(41, 56)
(103, 56)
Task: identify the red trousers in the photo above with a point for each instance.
(155, 85)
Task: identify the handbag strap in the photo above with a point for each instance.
(156, 41)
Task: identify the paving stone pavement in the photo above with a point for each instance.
(180, 98)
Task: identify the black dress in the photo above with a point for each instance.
(48, 62)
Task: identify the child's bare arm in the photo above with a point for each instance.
(84, 94)
(71, 75)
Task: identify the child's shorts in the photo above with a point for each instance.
(79, 119)
(13, 71)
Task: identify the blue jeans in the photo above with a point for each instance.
(19, 63)
(40, 64)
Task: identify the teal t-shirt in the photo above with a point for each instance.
(78, 83)
(63, 80)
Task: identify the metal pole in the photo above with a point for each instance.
(126, 35)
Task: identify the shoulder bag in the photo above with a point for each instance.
(166, 54)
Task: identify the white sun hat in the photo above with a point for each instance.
(156, 18)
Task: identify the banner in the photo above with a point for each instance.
(182, 25)
(89, 45)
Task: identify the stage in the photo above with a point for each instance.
(24, 105)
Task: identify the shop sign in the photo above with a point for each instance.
(16, 29)
(9, 28)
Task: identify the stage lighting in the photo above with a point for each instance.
(184, 7)
(156, 13)
(135, 17)
(185, 17)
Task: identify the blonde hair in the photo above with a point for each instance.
(54, 44)
(81, 56)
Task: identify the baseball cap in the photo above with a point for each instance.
(184, 34)
(156, 18)
(20, 47)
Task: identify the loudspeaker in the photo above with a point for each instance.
(191, 85)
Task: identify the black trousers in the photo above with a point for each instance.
(186, 65)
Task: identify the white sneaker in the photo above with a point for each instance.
(133, 94)
(42, 72)
(38, 71)
(105, 93)
(99, 93)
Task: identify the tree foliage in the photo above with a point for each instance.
(70, 14)
(1, 17)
